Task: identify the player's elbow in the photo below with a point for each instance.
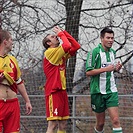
(78, 47)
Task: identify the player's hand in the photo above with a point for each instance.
(28, 108)
(118, 66)
(57, 30)
(110, 68)
(1, 77)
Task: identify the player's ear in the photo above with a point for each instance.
(49, 43)
(101, 38)
(5, 41)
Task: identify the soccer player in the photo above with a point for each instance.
(10, 84)
(54, 65)
(100, 66)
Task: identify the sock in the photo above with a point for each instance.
(59, 131)
(98, 131)
(117, 130)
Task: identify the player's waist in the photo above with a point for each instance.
(8, 100)
(48, 91)
(6, 92)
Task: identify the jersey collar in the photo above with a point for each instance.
(3, 56)
(101, 47)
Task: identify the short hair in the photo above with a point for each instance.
(45, 40)
(4, 34)
(106, 30)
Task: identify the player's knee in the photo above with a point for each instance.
(62, 125)
(52, 125)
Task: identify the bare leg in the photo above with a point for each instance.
(62, 126)
(51, 126)
(114, 115)
(100, 119)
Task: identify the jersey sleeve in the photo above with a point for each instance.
(65, 42)
(91, 60)
(74, 44)
(16, 68)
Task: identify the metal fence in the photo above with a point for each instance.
(82, 119)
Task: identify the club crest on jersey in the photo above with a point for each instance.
(5, 65)
(93, 106)
(106, 64)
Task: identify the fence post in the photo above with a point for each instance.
(73, 115)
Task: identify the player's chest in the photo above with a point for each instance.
(6, 64)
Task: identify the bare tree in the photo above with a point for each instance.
(29, 20)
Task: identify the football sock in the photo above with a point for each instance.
(117, 130)
(98, 131)
(59, 131)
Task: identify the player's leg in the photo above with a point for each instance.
(0, 129)
(52, 120)
(64, 112)
(100, 119)
(112, 105)
(51, 126)
(62, 126)
(11, 124)
(98, 106)
(114, 115)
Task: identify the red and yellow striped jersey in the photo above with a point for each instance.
(9, 67)
(54, 63)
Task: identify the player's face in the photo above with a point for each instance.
(54, 41)
(107, 40)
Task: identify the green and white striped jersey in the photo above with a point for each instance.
(103, 83)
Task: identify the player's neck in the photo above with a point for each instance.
(3, 52)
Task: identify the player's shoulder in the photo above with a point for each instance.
(51, 51)
(48, 52)
(95, 50)
(11, 57)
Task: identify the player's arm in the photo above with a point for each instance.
(1, 76)
(74, 44)
(23, 92)
(65, 43)
(100, 70)
(55, 55)
(92, 67)
(21, 87)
